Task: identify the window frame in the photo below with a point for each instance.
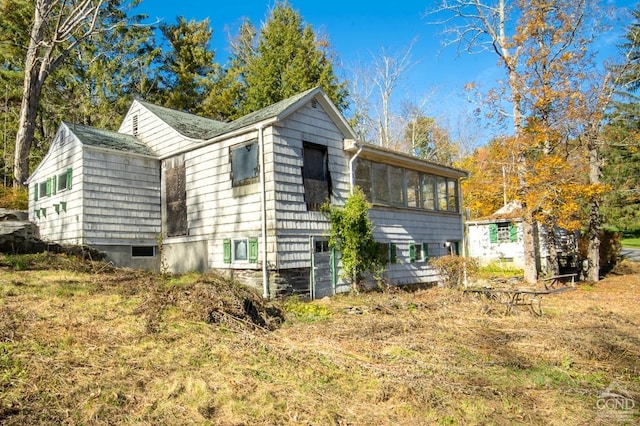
(316, 178)
(143, 251)
(396, 186)
(232, 172)
(229, 250)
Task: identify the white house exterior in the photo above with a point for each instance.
(498, 239)
(180, 192)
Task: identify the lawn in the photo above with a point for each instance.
(81, 343)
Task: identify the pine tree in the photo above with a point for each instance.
(621, 170)
(289, 59)
(188, 68)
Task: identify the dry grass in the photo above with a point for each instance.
(92, 345)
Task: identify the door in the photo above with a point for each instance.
(323, 268)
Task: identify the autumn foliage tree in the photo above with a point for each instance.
(557, 101)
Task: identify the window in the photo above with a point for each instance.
(175, 196)
(363, 177)
(143, 251)
(415, 252)
(413, 188)
(442, 193)
(244, 163)
(428, 191)
(452, 195)
(380, 183)
(240, 250)
(388, 252)
(396, 186)
(315, 175)
(503, 232)
(321, 246)
(45, 188)
(64, 181)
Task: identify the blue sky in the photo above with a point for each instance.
(359, 29)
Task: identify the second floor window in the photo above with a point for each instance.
(244, 163)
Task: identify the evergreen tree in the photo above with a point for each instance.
(621, 170)
(229, 91)
(288, 60)
(188, 68)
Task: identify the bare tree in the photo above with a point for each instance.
(58, 27)
(388, 70)
(371, 91)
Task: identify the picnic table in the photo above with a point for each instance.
(511, 298)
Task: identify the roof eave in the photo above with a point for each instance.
(374, 152)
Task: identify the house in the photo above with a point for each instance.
(497, 238)
(178, 192)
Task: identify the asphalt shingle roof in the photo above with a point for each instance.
(203, 128)
(187, 124)
(108, 139)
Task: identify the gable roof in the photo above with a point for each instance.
(203, 128)
(510, 212)
(108, 139)
(187, 124)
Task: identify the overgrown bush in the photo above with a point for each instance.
(452, 269)
(14, 198)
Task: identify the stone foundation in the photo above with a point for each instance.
(285, 282)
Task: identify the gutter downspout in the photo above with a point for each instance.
(263, 210)
(351, 162)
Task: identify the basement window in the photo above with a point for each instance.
(143, 251)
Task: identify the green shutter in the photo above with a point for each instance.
(425, 250)
(68, 178)
(513, 233)
(226, 250)
(493, 232)
(253, 250)
(393, 253)
(48, 185)
(54, 185)
(35, 192)
(412, 253)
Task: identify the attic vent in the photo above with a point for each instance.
(314, 104)
(134, 125)
(63, 136)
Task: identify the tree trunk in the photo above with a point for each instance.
(595, 221)
(26, 130)
(33, 78)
